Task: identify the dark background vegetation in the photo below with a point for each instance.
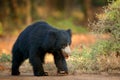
(16, 14)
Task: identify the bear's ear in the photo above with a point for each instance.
(69, 32)
(49, 40)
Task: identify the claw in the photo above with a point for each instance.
(62, 73)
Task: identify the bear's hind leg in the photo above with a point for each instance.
(17, 60)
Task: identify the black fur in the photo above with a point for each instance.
(34, 42)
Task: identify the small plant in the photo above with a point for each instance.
(5, 58)
(82, 61)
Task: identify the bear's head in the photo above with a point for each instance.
(63, 42)
(58, 40)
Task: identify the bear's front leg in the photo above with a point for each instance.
(61, 64)
(37, 65)
(39, 72)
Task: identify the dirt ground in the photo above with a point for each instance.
(29, 76)
(78, 40)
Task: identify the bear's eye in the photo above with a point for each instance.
(64, 45)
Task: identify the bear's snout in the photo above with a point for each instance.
(66, 51)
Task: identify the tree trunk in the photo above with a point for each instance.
(28, 12)
(50, 6)
(15, 11)
(69, 4)
(89, 11)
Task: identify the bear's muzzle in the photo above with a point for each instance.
(66, 51)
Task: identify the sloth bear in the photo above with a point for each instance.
(35, 41)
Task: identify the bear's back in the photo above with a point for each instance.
(32, 33)
(34, 29)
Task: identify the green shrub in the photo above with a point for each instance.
(110, 24)
(5, 58)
